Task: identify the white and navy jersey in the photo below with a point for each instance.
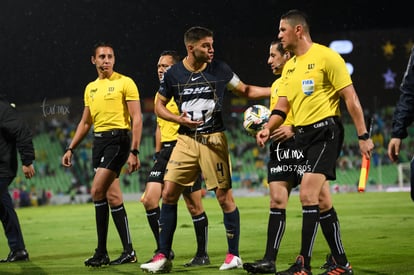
(200, 94)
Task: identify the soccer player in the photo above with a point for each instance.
(112, 107)
(312, 84)
(165, 140)
(403, 116)
(198, 85)
(15, 136)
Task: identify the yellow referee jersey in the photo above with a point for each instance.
(273, 101)
(106, 99)
(311, 83)
(168, 129)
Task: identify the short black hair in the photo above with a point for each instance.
(101, 44)
(174, 54)
(280, 46)
(196, 33)
(296, 17)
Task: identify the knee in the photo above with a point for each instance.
(191, 209)
(278, 202)
(325, 206)
(195, 209)
(97, 193)
(114, 200)
(170, 198)
(149, 203)
(114, 197)
(226, 203)
(144, 201)
(308, 199)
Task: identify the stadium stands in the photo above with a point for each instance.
(249, 162)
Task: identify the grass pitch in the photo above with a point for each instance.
(377, 231)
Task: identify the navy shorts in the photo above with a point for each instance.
(158, 169)
(321, 143)
(111, 150)
(283, 163)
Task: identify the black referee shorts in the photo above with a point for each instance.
(111, 150)
(321, 143)
(158, 169)
(284, 162)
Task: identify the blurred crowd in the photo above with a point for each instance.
(249, 165)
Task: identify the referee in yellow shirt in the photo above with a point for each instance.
(312, 83)
(112, 107)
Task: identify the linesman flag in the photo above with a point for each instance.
(365, 164)
(363, 177)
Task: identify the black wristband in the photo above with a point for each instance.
(69, 149)
(279, 113)
(364, 136)
(134, 152)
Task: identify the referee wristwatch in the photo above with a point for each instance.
(364, 136)
(135, 152)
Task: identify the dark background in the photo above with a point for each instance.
(46, 44)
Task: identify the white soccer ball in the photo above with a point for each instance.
(255, 117)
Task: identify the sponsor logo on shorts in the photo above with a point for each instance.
(287, 153)
(155, 173)
(300, 169)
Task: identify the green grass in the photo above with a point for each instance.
(377, 231)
